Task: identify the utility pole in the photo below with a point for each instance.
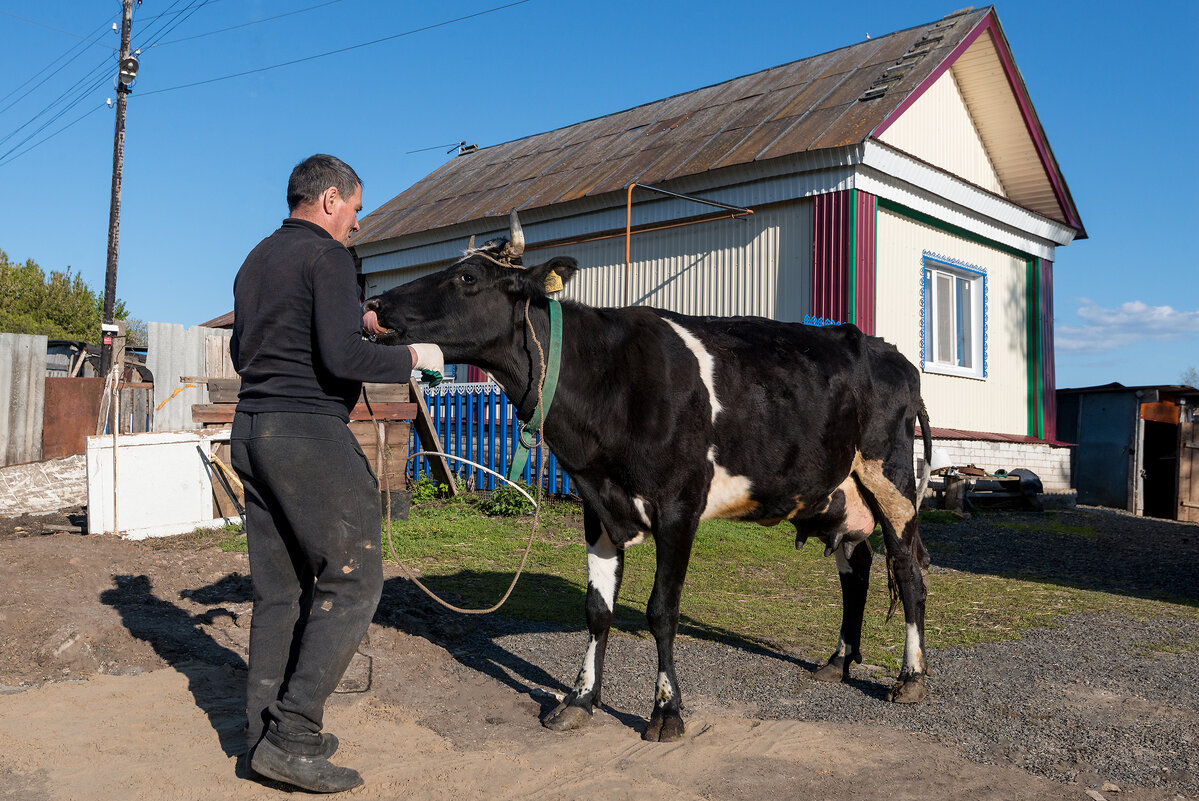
(127, 71)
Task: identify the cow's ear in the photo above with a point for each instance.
(554, 274)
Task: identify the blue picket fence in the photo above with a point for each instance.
(475, 421)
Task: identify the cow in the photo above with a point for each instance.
(663, 420)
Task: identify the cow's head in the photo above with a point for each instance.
(473, 309)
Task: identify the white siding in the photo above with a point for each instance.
(756, 265)
(938, 129)
(997, 403)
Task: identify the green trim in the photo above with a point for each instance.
(520, 455)
(874, 270)
(949, 228)
(852, 266)
(1036, 422)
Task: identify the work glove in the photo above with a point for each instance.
(430, 362)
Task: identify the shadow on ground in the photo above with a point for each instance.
(1092, 549)
(215, 674)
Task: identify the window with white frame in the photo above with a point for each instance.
(953, 312)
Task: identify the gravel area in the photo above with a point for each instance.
(1105, 697)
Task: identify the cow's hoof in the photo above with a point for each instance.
(663, 729)
(832, 672)
(910, 690)
(565, 717)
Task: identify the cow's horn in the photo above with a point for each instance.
(516, 235)
(471, 244)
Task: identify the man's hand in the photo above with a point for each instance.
(429, 361)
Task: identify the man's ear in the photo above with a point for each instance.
(328, 198)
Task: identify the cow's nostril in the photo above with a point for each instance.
(372, 304)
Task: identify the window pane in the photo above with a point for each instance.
(929, 318)
(944, 319)
(965, 323)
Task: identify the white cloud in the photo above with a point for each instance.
(1134, 321)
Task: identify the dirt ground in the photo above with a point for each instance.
(121, 676)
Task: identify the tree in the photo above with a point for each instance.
(59, 306)
(1190, 377)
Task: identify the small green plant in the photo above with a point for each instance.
(426, 489)
(506, 501)
(941, 516)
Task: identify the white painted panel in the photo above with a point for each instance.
(938, 128)
(163, 485)
(997, 403)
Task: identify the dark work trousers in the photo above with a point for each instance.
(313, 528)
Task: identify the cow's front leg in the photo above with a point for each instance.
(605, 566)
(854, 573)
(673, 554)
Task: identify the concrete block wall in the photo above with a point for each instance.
(1051, 463)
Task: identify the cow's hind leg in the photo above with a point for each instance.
(896, 510)
(673, 552)
(605, 566)
(854, 573)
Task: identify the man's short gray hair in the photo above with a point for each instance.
(312, 176)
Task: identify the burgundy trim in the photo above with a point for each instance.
(864, 267)
(990, 23)
(830, 245)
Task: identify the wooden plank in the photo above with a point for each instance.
(217, 413)
(1188, 472)
(429, 441)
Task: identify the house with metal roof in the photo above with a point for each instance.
(904, 184)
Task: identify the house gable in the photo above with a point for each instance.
(939, 129)
(972, 117)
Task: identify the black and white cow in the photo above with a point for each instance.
(663, 420)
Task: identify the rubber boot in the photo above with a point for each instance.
(313, 773)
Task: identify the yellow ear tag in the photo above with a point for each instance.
(553, 282)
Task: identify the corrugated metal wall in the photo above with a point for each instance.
(938, 128)
(864, 257)
(22, 391)
(755, 265)
(830, 256)
(174, 351)
(997, 403)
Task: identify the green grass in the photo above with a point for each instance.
(745, 583)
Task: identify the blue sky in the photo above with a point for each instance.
(206, 165)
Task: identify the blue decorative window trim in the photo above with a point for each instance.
(961, 269)
(811, 319)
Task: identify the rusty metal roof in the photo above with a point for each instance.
(825, 101)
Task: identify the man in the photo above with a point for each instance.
(312, 503)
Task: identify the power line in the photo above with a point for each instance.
(52, 28)
(337, 51)
(4, 161)
(82, 49)
(181, 18)
(246, 24)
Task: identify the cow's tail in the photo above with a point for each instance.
(927, 473)
(918, 551)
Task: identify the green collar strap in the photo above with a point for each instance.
(520, 457)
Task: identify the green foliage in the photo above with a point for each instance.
(59, 305)
(426, 489)
(506, 501)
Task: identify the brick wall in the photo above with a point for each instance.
(1050, 463)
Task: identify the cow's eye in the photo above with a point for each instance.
(466, 278)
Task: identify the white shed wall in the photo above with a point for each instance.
(938, 128)
(997, 403)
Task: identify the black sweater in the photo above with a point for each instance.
(297, 327)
